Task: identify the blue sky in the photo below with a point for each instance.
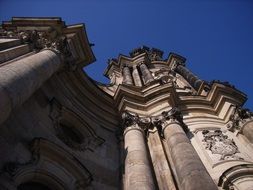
(215, 36)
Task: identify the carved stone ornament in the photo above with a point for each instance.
(175, 64)
(238, 118)
(50, 159)
(133, 120)
(153, 54)
(65, 121)
(129, 119)
(173, 114)
(219, 143)
(39, 40)
(162, 75)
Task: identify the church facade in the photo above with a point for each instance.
(155, 126)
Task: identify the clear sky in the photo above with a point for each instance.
(215, 36)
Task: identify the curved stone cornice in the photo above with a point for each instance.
(51, 32)
(144, 98)
(235, 173)
(79, 93)
(214, 102)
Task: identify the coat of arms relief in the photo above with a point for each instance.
(220, 145)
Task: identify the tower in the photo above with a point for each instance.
(155, 126)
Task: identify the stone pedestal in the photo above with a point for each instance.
(20, 79)
(138, 169)
(190, 171)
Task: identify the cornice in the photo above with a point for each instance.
(144, 98)
(76, 34)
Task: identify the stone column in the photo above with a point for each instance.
(146, 74)
(193, 80)
(241, 120)
(190, 171)
(136, 76)
(138, 169)
(20, 79)
(247, 130)
(127, 77)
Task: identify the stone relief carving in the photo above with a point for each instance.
(146, 123)
(153, 54)
(129, 119)
(175, 64)
(219, 143)
(41, 39)
(12, 167)
(162, 75)
(44, 154)
(238, 118)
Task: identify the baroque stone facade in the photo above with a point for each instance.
(155, 126)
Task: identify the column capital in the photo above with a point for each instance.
(238, 118)
(172, 116)
(133, 121)
(129, 119)
(40, 40)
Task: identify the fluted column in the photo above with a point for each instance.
(136, 76)
(190, 171)
(193, 80)
(127, 77)
(138, 170)
(146, 74)
(20, 79)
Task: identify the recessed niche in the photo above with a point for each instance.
(72, 133)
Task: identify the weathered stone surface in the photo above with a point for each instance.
(127, 77)
(160, 163)
(59, 129)
(248, 131)
(138, 171)
(186, 161)
(20, 79)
